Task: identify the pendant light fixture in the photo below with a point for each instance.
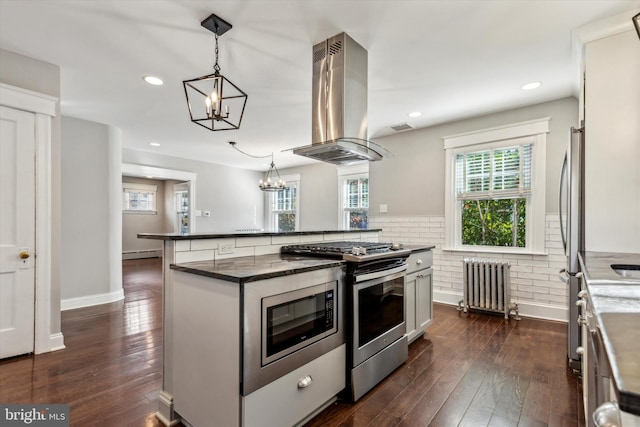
(272, 180)
(214, 101)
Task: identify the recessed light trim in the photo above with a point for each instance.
(153, 80)
(154, 144)
(531, 85)
(414, 114)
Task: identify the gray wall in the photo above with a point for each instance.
(38, 76)
(230, 194)
(412, 183)
(318, 196)
(88, 225)
(134, 223)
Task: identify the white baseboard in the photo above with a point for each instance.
(54, 343)
(89, 300)
(526, 308)
(57, 342)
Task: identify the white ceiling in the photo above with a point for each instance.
(448, 59)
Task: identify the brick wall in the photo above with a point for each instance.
(534, 278)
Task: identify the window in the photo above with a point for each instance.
(495, 196)
(285, 206)
(139, 198)
(493, 187)
(354, 197)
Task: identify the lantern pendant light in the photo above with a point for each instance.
(214, 101)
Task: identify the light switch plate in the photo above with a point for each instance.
(383, 208)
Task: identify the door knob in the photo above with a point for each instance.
(24, 254)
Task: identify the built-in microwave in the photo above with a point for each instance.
(288, 322)
(295, 319)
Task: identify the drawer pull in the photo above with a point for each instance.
(305, 382)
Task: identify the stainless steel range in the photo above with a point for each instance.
(375, 308)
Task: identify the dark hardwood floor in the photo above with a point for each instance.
(467, 370)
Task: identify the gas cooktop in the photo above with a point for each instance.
(350, 251)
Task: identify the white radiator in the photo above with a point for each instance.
(486, 286)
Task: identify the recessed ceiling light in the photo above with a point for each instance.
(414, 114)
(153, 80)
(531, 85)
(154, 144)
(149, 176)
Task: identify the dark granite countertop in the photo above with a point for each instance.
(251, 269)
(616, 304)
(223, 235)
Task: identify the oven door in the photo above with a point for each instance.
(378, 311)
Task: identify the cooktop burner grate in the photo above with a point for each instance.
(336, 248)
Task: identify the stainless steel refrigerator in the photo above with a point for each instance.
(571, 197)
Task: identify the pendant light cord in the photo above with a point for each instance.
(233, 144)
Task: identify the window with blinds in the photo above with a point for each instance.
(138, 198)
(356, 203)
(495, 188)
(285, 208)
(494, 174)
(492, 186)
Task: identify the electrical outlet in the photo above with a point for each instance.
(225, 248)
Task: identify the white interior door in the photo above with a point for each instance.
(17, 232)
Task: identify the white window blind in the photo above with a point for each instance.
(357, 193)
(138, 197)
(286, 200)
(495, 173)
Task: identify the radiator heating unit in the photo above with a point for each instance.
(486, 287)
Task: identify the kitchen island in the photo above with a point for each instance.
(216, 291)
(209, 328)
(613, 300)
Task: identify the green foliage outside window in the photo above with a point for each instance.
(499, 222)
(286, 222)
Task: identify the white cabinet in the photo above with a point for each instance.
(296, 396)
(612, 151)
(418, 293)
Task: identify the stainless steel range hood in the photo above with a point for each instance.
(339, 121)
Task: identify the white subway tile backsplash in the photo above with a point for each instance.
(533, 277)
(203, 244)
(183, 245)
(253, 241)
(192, 256)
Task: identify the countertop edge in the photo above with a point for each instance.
(628, 400)
(195, 236)
(419, 248)
(241, 279)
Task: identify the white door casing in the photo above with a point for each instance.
(44, 108)
(17, 232)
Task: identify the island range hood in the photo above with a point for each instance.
(339, 110)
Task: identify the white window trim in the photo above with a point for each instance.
(349, 172)
(270, 201)
(497, 136)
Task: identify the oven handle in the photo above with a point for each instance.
(382, 273)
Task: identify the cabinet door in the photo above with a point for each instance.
(410, 305)
(424, 301)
